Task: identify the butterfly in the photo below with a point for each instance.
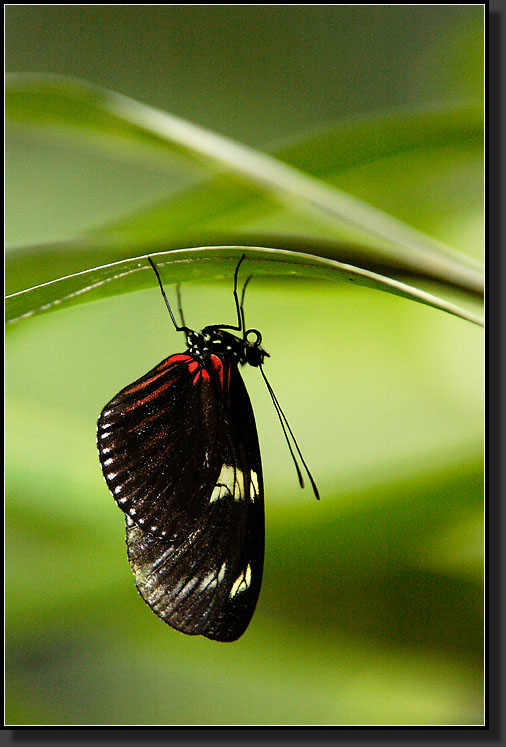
(179, 452)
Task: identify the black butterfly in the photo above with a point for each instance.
(179, 452)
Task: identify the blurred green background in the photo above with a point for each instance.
(372, 602)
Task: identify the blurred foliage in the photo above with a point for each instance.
(372, 603)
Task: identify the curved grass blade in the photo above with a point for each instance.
(28, 266)
(199, 264)
(52, 100)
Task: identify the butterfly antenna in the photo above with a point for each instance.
(178, 328)
(242, 303)
(237, 306)
(284, 421)
(179, 304)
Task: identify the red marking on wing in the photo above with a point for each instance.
(151, 396)
(161, 370)
(143, 384)
(193, 366)
(217, 364)
(178, 358)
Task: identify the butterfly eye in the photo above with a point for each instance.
(258, 336)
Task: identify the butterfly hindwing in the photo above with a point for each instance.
(246, 541)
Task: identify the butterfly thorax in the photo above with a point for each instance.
(213, 340)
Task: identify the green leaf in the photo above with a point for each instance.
(81, 108)
(203, 263)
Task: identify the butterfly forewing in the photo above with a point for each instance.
(179, 451)
(160, 448)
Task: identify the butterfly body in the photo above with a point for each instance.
(179, 452)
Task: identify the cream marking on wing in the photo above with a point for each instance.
(253, 486)
(242, 583)
(188, 587)
(230, 482)
(238, 485)
(107, 462)
(117, 489)
(221, 574)
(218, 492)
(207, 580)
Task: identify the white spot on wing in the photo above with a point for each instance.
(238, 485)
(242, 583)
(218, 492)
(188, 587)
(229, 483)
(207, 581)
(236, 587)
(253, 486)
(221, 574)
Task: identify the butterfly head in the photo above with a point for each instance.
(213, 340)
(254, 353)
